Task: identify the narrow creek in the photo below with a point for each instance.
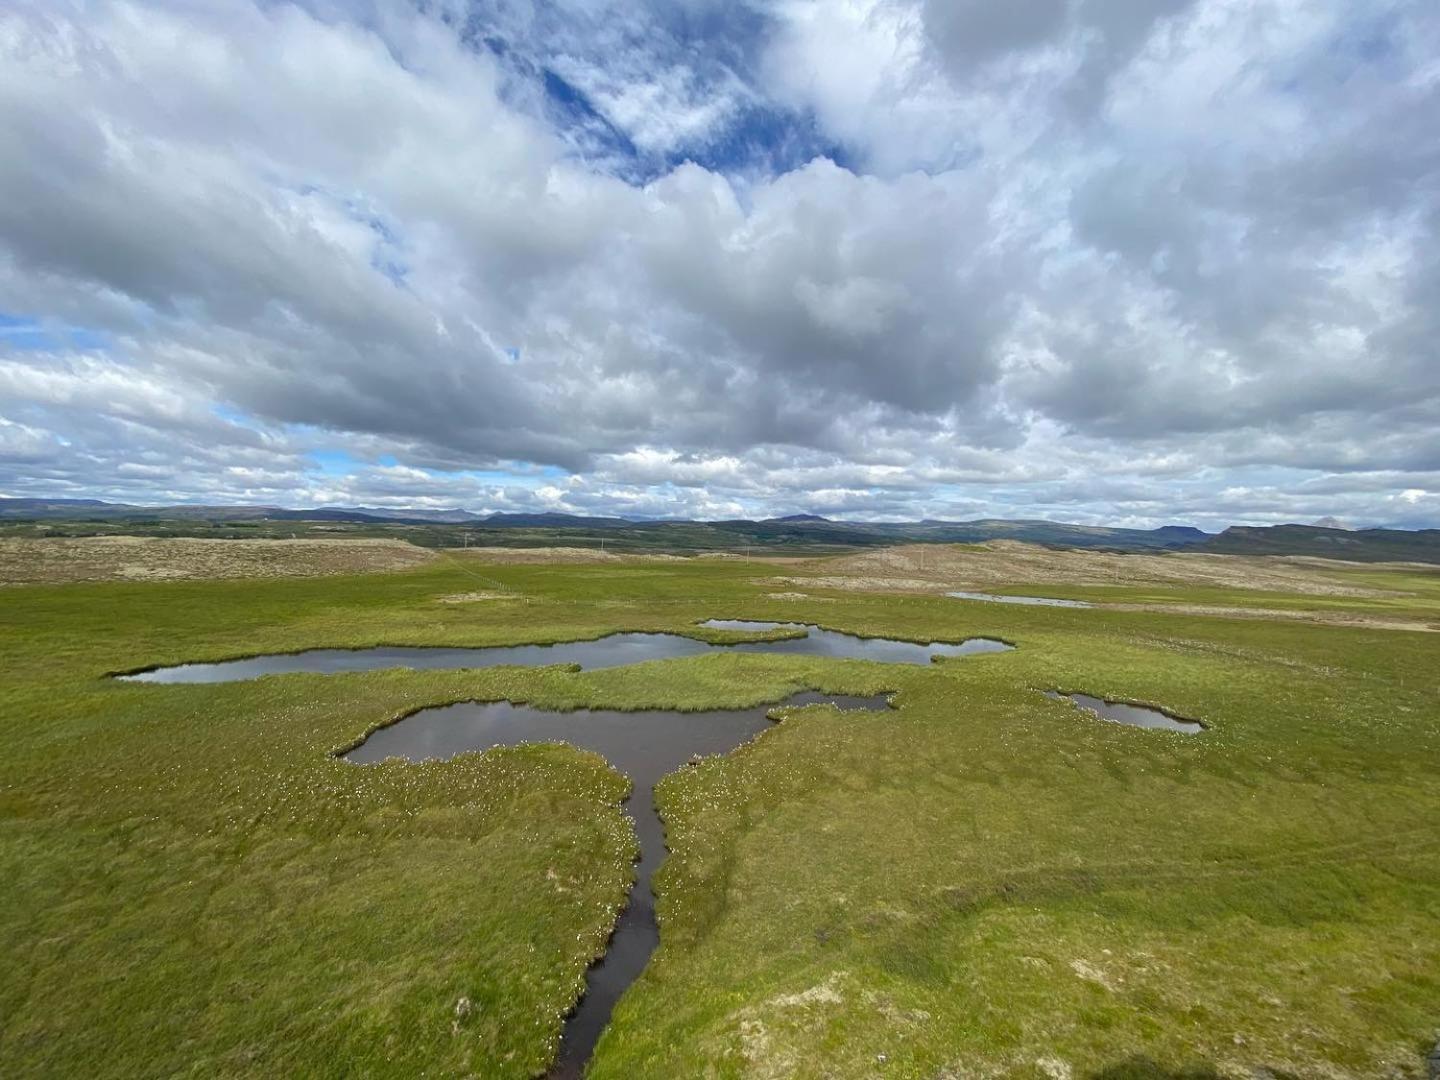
(645, 746)
(613, 650)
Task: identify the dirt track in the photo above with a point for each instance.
(130, 558)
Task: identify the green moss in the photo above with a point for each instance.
(979, 880)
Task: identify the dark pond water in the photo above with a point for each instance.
(613, 651)
(643, 745)
(1040, 601)
(1134, 715)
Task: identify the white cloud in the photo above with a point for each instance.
(1095, 259)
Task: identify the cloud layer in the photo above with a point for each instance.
(1122, 262)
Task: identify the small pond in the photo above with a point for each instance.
(1134, 715)
(615, 650)
(643, 745)
(1038, 601)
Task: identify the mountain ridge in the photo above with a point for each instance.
(811, 531)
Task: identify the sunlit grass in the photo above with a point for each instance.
(980, 882)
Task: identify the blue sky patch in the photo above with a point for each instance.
(26, 333)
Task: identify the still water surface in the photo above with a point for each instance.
(1134, 715)
(615, 650)
(643, 745)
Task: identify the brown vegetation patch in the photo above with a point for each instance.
(1331, 618)
(133, 558)
(978, 567)
(551, 555)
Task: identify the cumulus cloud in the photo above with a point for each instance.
(1131, 261)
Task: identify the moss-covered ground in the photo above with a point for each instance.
(981, 882)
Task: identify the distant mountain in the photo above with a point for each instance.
(96, 510)
(551, 521)
(1181, 534)
(385, 513)
(1332, 523)
(1357, 545)
(73, 509)
(1052, 533)
(323, 515)
(809, 532)
(40, 506)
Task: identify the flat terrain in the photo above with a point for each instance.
(981, 882)
(1402, 596)
(133, 558)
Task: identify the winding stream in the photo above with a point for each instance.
(645, 746)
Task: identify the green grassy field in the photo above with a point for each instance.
(982, 882)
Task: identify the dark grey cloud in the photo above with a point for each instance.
(1107, 260)
(969, 32)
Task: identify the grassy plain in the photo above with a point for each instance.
(982, 882)
(1394, 596)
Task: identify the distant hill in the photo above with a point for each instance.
(1357, 545)
(384, 513)
(551, 521)
(96, 510)
(45, 506)
(795, 532)
(1061, 534)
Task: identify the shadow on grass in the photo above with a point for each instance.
(1144, 1068)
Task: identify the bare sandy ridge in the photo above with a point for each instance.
(556, 555)
(560, 555)
(931, 568)
(919, 568)
(1330, 618)
(926, 567)
(136, 558)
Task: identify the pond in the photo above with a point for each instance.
(1134, 715)
(645, 746)
(614, 650)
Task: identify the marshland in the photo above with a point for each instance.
(977, 877)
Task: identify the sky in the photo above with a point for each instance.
(1128, 262)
